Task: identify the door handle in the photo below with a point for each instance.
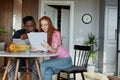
(115, 34)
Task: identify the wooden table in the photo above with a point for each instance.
(23, 55)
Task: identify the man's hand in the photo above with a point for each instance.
(24, 36)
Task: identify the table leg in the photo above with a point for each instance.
(17, 67)
(27, 71)
(7, 67)
(38, 70)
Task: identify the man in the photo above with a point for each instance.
(29, 26)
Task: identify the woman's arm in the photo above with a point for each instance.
(48, 47)
(54, 50)
(56, 42)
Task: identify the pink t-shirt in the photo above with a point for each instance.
(56, 40)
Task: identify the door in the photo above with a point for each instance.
(118, 41)
(65, 21)
(52, 13)
(109, 65)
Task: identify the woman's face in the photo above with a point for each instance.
(44, 25)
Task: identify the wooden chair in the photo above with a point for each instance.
(81, 56)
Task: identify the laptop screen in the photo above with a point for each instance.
(20, 41)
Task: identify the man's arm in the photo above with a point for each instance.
(21, 34)
(16, 35)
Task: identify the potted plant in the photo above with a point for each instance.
(2, 31)
(2, 43)
(92, 41)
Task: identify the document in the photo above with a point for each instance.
(36, 38)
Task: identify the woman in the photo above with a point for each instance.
(54, 46)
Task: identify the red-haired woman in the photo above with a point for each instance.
(54, 46)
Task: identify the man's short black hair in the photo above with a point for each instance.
(27, 18)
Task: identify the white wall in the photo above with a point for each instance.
(81, 30)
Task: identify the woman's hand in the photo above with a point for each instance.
(46, 45)
(33, 49)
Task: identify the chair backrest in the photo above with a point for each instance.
(82, 54)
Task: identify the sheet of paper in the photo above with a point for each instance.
(36, 38)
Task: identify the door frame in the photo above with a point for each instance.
(68, 3)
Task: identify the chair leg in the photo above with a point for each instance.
(82, 76)
(58, 76)
(68, 76)
(74, 76)
(27, 71)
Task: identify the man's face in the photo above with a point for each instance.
(30, 26)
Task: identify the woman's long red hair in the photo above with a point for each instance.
(51, 28)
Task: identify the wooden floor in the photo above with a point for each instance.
(88, 76)
(113, 78)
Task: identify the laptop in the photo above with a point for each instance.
(20, 41)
